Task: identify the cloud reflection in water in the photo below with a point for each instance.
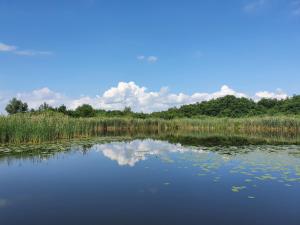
(129, 153)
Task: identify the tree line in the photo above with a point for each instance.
(228, 106)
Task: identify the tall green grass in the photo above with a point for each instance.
(27, 128)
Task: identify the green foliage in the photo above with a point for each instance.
(127, 110)
(38, 127)
(228, 106)
(45, 107)
(231, 106)
(227, 114)
(269, 103)
(62, 109)
(291, 105)
(85, 111)
(16, 106)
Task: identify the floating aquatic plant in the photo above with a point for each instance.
(238, 188)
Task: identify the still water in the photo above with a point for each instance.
(148, 181)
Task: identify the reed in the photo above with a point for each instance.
(28, 128)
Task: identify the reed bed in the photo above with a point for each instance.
(28, 128)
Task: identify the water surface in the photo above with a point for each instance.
(147, 181)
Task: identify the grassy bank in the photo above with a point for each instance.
(27, 128)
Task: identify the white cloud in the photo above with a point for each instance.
(149, 59)
(4, 99)
(152, 59)
(132, 95)
(279, 94)
(32, 53)
(7, 48)
(73, 104)
(129, 153)
(253, 6)
(3, 102)
(39, 96)
(16, 51)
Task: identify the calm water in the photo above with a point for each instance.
(150, 182)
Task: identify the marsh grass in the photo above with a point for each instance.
(27, 128)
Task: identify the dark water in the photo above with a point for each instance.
(150, 182)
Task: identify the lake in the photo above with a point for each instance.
(150, 181)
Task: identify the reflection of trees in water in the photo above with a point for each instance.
(254, 162)
(246, 166)
(130, 151)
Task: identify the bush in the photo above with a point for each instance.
(16, 106)
(85, 111)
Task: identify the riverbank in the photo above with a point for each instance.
(38, 128)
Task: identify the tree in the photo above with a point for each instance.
(268, 103)
(45, 107)
(16, 106)
(62, 109)
(127, 111)
(291, 105)
(85, 111)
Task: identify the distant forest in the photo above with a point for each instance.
(228, 106)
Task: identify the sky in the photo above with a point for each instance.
(149, 55)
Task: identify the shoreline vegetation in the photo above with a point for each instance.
(51, 126)
(229, 115)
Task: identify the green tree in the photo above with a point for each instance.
(127, 110)
(45, 107)
(16, 106)
(291, 105)
(62, 109)
(268, 103)
(85, 111)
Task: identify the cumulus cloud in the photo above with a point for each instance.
(279, 94)
(142, 100)
(39, 96)
(14, 49)
(129, 94)
(130, 153)
(150, 59)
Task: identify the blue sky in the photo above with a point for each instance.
(85, 47)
